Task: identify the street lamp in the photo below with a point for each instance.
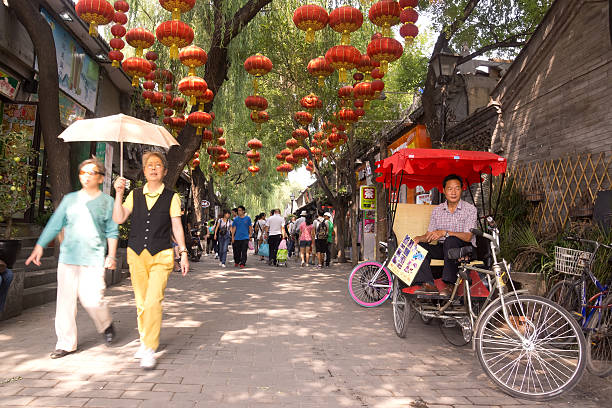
(292, 197)
(444, 64)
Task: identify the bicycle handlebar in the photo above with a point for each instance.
(479, 233)
(587, 241)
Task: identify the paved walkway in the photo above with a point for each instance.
(257, 337)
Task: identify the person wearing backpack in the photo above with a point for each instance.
(321, 233)
(222, 235)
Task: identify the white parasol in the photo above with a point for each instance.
(118, 128)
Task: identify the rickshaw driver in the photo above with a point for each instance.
(450, 226)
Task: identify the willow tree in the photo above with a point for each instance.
(477, 28)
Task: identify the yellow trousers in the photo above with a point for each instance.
(149, 277)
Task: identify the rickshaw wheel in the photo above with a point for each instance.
(454, 333)
(403, 312)
(426, 319)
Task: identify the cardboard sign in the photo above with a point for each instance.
(407, 260)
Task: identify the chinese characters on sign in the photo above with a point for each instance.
(367, 198)
(8, 85)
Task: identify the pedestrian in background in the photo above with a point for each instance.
(296, 231)
(242, 228)
(289, 229)
(321, 233)
(156, 218)
(306, 239)
(275, 229)
(86, 217)
(330, 237)
(223, 236)
(261, 231)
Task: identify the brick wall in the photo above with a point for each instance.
(556, 96)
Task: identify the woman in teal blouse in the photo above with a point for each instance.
(85, 216)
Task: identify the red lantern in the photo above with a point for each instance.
(254, 144)
(364, 91)
(168, 112)
(280, 157)
(95, 12)
(367, 65)
(359, 112)
(385, 14)
(318, 136)
(300, 153)
(334, 138)
(157, 100)
(292, 159)
(343, 58)
(140, 39)
(207, 135)
(408, 3)
(345, 20)
(151, 56)
(292, 143)
(285, 152)
(311, 102)
(329, 144)
(259, 117)
(177, 7)
(207, 97)
(347, 116)
(193, 57)
(253, 169)
(116, 57)
(409, 31)
(320, 69)
(303, 118)
(223, 167)
(174, 34)
(257, 65)
(193, 87)
(256, 103)
(118, 30)
(377, 74)
(136, 68)
(180, 104)
(162, 77)
(345, 93)
(409, 15)
(121, 5)
(385, 50)
(377, 86)
(310, 18)
(195, 163)
(300, 134)
(177, 124)
(358, 76)
(199, 120)
(120, 19)
(219, 131)
(221, 141)
(254, 156)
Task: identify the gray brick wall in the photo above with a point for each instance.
(556, 99)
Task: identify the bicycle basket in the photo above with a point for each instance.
(572, 261)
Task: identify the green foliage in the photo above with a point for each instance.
(491, 21)
(16, 157)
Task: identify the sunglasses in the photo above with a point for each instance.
(91, 173)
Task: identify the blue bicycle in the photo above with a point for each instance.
(593, 313)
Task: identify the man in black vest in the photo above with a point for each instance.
(156, 216)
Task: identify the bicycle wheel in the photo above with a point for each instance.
(548, 361)
(403, 312)
(599, 340)
(565, 294)
(360, 284)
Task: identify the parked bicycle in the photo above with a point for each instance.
(594, 313)
(370, 283)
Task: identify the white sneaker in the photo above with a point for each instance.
(147, 360)
(138, 355)
(223, 265)
(220, 263)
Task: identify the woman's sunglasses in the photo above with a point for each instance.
(91, 173)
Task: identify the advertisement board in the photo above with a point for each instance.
(367, 197)
(8, 85)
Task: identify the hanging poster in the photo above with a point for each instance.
(407, 260)
(8, 85)
(70, 111)
(20, 117)
(77, 72)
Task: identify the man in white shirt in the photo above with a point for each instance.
(275, 228)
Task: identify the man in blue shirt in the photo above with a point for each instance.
(242, 229)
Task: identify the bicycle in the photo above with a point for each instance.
(370, 283)
(528, 345)
(594, 314)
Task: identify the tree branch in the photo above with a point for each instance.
(242, 17)
(510, 42)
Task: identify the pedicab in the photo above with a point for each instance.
(527, 345)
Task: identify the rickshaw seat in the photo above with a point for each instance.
(477, 288)
(413, 220)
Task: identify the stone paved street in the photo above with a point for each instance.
(257, 337)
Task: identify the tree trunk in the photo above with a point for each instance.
(355, 252)
(40, 33)
(198, 189)
(340, 227)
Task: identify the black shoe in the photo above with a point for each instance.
(59, 353)
(109, 334)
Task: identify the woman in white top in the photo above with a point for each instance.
(261, 229)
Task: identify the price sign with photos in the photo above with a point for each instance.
(407, 260)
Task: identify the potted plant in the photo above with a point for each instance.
(16, 156)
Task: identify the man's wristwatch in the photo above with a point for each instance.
(446, 234)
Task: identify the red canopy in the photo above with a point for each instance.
(428, 167)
